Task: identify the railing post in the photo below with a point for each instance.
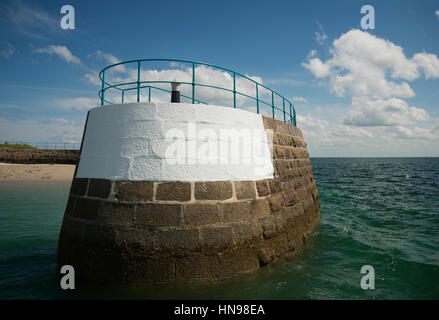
(138, 81)
(283, 107)
(103, 84)
(257, 99)
(123, 94)
(291, 114)
(234, 90)
(193, 83)
(294, 117)
(149, 94)
(272, 102)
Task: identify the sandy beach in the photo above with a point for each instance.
(36, 172)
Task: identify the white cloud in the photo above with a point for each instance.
(309, 122)
(360, 62)
(357, 48)
(429, 63)
(311, 54)
(93, 75)
(111, 59)
(414, 133)
(7, 50)
(61, 51)
(330, 138)
(320, 35)
(300, 99)
(327, 138)
(93, 78)
(388, 112)
(76, 104)
(317, 67)
(203, 75)
(181, 73)
(374, 73)
(284, 81)
(31, 130)
(437, 13)
(347, 131)
(107, 56)
(62, 121)
(29, 20)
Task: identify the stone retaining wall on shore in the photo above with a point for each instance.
(34, 156)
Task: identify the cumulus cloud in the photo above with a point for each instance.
(360, 62)
(429, 63)
(61, 51)
(317, 67)
(375, 73)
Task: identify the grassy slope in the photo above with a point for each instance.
(16, 146)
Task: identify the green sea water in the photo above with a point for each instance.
(382, 212)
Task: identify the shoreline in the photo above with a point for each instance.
(36, 172)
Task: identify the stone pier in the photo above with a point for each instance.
(133, 215)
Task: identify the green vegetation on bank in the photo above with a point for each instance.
(15, 146)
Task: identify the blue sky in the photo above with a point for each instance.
(356, 92)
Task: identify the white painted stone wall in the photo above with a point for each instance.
(134, 142)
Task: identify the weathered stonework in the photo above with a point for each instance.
(161, 231)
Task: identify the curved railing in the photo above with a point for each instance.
(279, 105)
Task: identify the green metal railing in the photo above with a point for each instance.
(287, 108)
